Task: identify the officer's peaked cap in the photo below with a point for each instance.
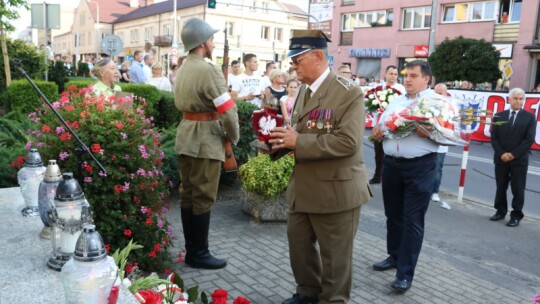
(306, 40)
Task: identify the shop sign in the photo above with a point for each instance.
(421, 51)
(369, 53)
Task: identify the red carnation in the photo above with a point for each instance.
(119, 125)
(157, 247)
(152, 254)
(127, 232)
(95, 148)
(45, 129)
(149, 221)
(219, 296)
(241, 300)
(65, 137)
(88, 168)
(117, 189)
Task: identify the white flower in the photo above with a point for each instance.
(391, 97)
(390, 91)
(375, 102)
(379, 93)
(384, 104)
(371, 96)
(428, 115)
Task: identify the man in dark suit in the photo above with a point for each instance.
(511, 142)
(329, 182)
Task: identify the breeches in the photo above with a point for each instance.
(200, 180)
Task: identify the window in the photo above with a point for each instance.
(366, 19)
(265, 32)
(167, 30)
(134, 35)
(516, 11)
(81, 40)
(229, 28)
(416, 18)
(148, 33)
(278, 34)
(465, 12)
(253, 7)
(82, 18)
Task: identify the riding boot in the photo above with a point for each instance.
(187, 223)
(201, 257)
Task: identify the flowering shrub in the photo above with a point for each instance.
(378, 98)
(128, 201)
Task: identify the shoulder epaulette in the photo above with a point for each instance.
(346, 83)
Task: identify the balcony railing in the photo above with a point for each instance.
(165, 40)
(506, 32)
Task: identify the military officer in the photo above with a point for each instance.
(329, 183)
(209, 114)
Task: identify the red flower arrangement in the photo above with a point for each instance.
(378, 98)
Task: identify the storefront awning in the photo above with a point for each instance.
(532, 48)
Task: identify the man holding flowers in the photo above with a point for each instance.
(407, 182)
(390, 77)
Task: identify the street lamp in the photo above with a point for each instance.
(97, 28)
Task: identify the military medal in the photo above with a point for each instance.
(327, 116)
(311, 122)
(320, 123)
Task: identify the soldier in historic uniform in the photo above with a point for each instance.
(329, 183)
(209, 115)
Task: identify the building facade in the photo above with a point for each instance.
(374, 34)
(261, 27)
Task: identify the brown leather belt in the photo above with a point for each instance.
(203, 116)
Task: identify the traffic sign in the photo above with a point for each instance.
(507, 71)
(330, 61)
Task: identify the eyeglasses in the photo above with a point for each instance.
(297, 61)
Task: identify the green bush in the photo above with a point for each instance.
(80, 82)
(150, 93)
(243, 150)
(21, 97)
(170, 165)
(82, 69)
(168, 115)
(58, 74)
(13, 137)
(32, 61)
(263, 176)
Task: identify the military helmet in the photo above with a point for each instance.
(195, 32)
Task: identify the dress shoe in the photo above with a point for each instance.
(389, 263)
(497, 217)
(374, 181)
(513, 222)
(300, 299)
(401, 285)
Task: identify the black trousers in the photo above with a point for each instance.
(516, 176)
(407, 186)
(379, 155)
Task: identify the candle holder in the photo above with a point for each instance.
(29, 178)
(46, 193)
(68, 215)
(89, 276)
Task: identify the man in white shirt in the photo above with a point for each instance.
(147, 68)
(248, 86)
(265, 78)
(233, 75)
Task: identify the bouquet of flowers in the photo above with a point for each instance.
(435, 116)
(378, 98)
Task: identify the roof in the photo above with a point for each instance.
(110, 10)
(293, 8)
(158, 8)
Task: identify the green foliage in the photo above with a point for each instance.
(243, 150)
(32, 61)
(82, 69)
(263, 176)
(9, 11)
(21, 97)
(168, 115)
(129, 201)
(465, 59)
(58, 74)
(13, 137)
(80, 82)
(120, 256)
(170, 164)
(149, 92)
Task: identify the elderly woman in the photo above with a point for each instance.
(158, 80)
(107, 73)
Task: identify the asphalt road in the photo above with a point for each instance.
(463, 235)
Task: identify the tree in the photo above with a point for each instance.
(32, 61)
(8, 12)
(465, 59)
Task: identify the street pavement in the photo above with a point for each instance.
(258, 261)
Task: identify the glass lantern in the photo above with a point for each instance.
(67, 217)
(46, 193)
(29, 178)
(89, 276)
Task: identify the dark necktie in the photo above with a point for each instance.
(512, 118)
(308, 95)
